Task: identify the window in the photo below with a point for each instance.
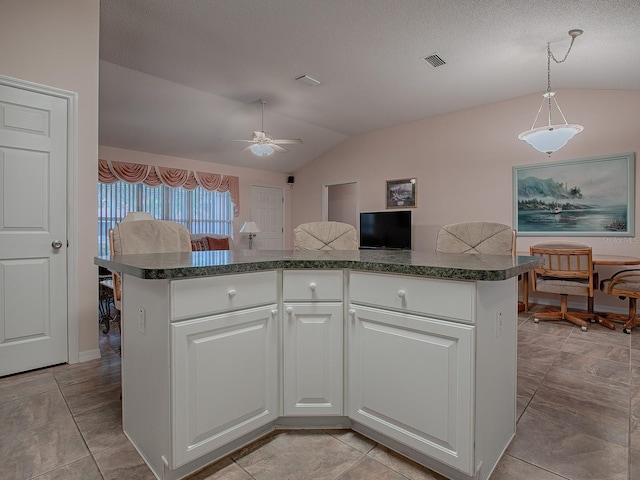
(200, 210)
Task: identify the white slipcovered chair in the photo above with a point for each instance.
(325, 236)
(145, 236)
(477, 237)
(487, 238)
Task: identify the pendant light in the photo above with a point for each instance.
(551, 138)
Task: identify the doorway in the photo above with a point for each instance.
(340, 203)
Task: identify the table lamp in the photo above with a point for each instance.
(251, 228)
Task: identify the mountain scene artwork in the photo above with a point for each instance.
(589, 197)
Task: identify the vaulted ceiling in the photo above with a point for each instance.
(185, 78)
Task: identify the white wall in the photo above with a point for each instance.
(463, 162)
(55, 43)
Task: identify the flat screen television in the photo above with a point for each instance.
(386, 230)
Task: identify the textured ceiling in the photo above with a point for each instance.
(184, 78)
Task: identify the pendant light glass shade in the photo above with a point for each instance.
(261, 150)
(551, 138)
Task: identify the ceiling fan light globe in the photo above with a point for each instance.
(261, 150)
(550, 138)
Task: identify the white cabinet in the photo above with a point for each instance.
(224, 360)
(199, 366)
(313, 359)
(431, 365)
(211, 363)
(411, 378)
(313, 342)
(224, 377)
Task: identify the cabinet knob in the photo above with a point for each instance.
(312, 286)
(274, 312)
(232, 293)
(402, 293)
(289, 310)
(352, 312)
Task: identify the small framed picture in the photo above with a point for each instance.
(402, 193)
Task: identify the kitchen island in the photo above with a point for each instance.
(416, 351)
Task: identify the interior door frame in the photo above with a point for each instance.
(325, 200)
(72, 216)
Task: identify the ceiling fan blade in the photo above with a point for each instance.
(277, 148)
(263, 138)
(246, 148)
(287, 141)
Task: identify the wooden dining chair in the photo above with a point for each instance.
(567, 270)
(624, 284)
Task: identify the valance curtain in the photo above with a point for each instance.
(111, 172)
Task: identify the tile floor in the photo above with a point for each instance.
(578, 411)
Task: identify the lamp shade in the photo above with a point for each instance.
(550, 138)
(250, 227)
(261, 150)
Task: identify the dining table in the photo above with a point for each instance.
(597, 260)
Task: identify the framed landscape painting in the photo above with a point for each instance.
(588, 197)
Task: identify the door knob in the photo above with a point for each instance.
(57, 244)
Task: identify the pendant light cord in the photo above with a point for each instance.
(550, 55)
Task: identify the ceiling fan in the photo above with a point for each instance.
(263, 144)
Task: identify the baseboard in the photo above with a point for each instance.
(89, 355)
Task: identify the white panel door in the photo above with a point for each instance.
(33, 206)
(267, 205)
(411, 378)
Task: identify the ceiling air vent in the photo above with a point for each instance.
(434, 60)
(308, 80)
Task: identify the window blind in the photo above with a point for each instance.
(200, 210)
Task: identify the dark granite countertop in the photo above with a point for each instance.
(223, 262)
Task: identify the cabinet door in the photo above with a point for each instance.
(411, 378)
(313, 358)
(224, 379)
